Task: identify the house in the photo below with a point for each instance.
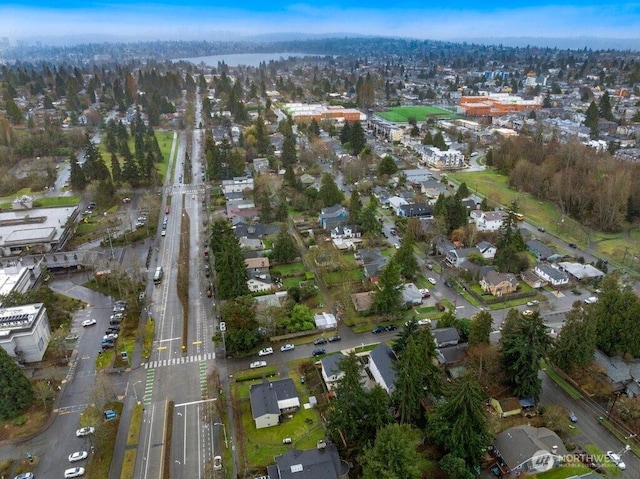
(489, 220)
(25, 332)
(506, 407)
(344, 232)
(623, 376)
(540, 250)
(373, 261)
(487, 250)
(452, 355)
(381, 361)
(270, 400)
(443, 245)
(580, 271)
(532, 279)
(321, 463)
(499, 284)
(325, 321)
(521, 449)
(415, 210)
(333, 216)
(455, 257)
(331, 372)
(432, 189)
(418, 175)
(258, 286)
(237, 184)
(257, 265)
(251, 244)
(444, 337)
(551, 274)
(260, 165)
(395, 202)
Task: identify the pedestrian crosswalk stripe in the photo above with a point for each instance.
(180, 360)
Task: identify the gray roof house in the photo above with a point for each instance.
(331, 372)
(516, 448)
(451, 354)
(548, 273)
(269, 400)
(321, 463)
(540, 250)
(411, 294)
(415, 210)
(333, 216)
(445, 337)
(373, 261)
(381, 361)
(580, 271)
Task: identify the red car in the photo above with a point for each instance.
(166, 212)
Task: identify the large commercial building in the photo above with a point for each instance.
(305, 112)
(25, 332)
(496, 104)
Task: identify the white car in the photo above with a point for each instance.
(527, 312)
(258, 364)
(110, 336)
(88, 322)
(74, 472)
(265, 352)
(287, 347)
(424, 322)
(78, 456)
(617, 460)
(431, 280)
(85, 431)
(217, 463)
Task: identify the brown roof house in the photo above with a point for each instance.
(499, 284)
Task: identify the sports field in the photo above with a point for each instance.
(401, 114)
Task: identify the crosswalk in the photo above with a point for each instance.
(181, 360)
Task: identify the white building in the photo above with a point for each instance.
(25, 332)
(488, 220)
(237, 184)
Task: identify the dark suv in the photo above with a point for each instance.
(318, 352)
(320, 341)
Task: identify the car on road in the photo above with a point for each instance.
(573, 245)
(71, 337)
(424, 322)
(163, 233)
(533, 303)
(391, 327)
(217, 463)
(396, 245)
(431, 280)
(318, 352)
(287, 347)
(429, 266)
(257, 364)
(167, 210)
(265, 352)
(25, 475)
(74, 472)
(320, 341)
(78, 456)
(617, 460)
(88, 322)
(527, 312)
(448, 284)
(378, 329)
(573, 417)
(335, 338)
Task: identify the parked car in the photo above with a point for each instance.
(74, 472)
(335, 338)
(424, 322)
(573, 417)
(318, 352)
(287, 347)
(217, 463)
(378, 329)
(25, 475)
(573, 245)
(527, 312)
(110, 336)
(320, 341)
(78, 456)
(85, 431)
(71, 337)
(391, 327)
(431, 280)
(541, 229)
(448, 284)
(617, 460)
(265, 352)
(88, 322)
(258, 364)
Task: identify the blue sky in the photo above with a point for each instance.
(200, 19)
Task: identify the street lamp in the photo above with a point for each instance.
(224, 430)
(135, 394)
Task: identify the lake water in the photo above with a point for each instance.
(246, 59)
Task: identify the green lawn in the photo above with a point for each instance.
(563, 472)
(401, 114)
(51, 201)
(291, 269)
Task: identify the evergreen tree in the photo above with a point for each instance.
(17, 391)
(289, 156)
(592, 116)
(329, 193)
(263, 144)
(345, 134)
(523, 344)
(387, 166)
(406, 259)
(394, 454)
(77, 180)
(355, 207)
(284, 248)
(388, 299)
(314, 129)
(481, 328)
(604, 107)
(290, 177)
(428, 138)
(116, 171)
(13, 111)
(357, 139)
(368, 221)
(438, 142)
(231, 270)
(460, 424)
(576, 342)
